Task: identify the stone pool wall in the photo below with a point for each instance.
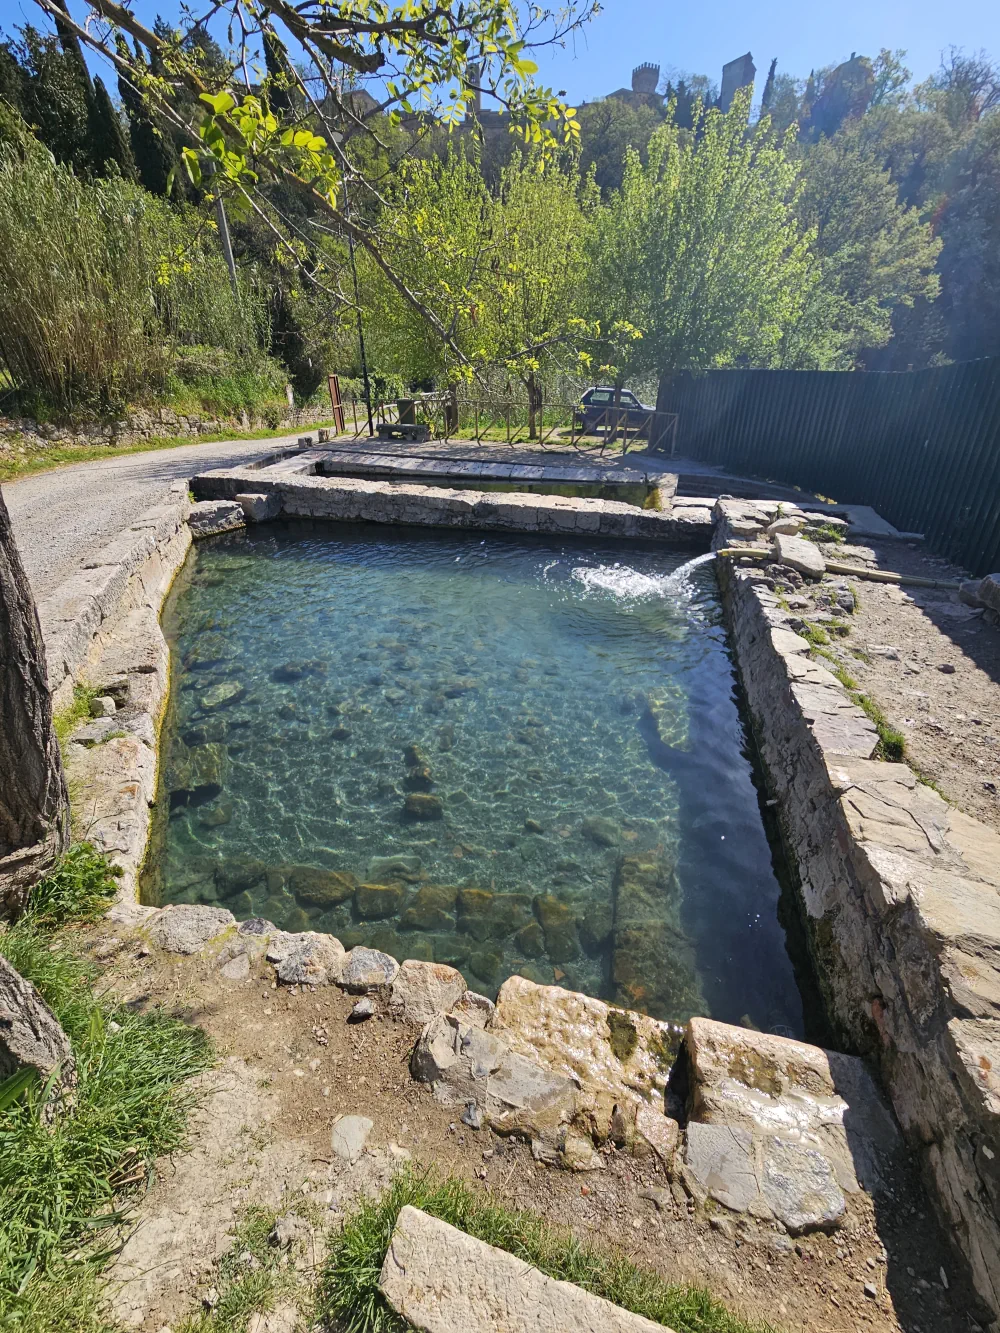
(354, 500)
(901, 897)
(102, 629)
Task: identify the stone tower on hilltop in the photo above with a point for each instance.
(645, 78)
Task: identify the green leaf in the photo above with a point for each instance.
(219, 102)
(14, 1087)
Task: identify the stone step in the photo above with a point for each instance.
(444, 1281)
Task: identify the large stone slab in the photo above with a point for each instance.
(186, 928)
(443, 1281)
(821, 1100)
(210, 517)
(420, 990)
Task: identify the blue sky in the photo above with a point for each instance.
(802, 35)
(688, 37)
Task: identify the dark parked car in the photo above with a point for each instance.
(597, 411)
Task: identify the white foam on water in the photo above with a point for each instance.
(628, 584)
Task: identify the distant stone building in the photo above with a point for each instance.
(643, 91)
(739, 73)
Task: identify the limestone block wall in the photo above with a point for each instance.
(901, 896)
(350, 499)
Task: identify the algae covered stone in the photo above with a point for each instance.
(228, 692)
(320, 888)
(432, 907)
(423, 806)
(562, 942)
(376, 901)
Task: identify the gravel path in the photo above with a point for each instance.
(61, 516)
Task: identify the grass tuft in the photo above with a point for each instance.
(350, 1301)
(250, 1278)
(67, 718)
(67, 1170)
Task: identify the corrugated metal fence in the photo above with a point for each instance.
(922, 447)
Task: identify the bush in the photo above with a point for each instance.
(100, 281)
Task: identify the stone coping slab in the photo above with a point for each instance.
(442, 1280)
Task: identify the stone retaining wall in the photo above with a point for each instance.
(22, 435)
(353, 500)
(901, 896)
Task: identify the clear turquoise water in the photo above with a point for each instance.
(574, 713)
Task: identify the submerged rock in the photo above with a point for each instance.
(419, 778)
(562, 942)
(605, 832)
(530, 941)
(321, 888)
(431, 908)
(228, 692)
(475, 907)
(384, 868)
(421, 805)
(376, 901)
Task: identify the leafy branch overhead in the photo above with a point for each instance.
(245, 130)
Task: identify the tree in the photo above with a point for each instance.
(109, 146)
(152, 151)
(878, 254)
(34, 805)
(702, 251)
(964, 89)
(607, 129)
(428, 56)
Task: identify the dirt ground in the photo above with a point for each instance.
(290, 1062)
(934, 667)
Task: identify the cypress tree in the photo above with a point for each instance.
(277, 77)
(152, 153)
(108, 143)
(768, 93)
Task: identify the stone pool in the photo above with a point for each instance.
(509, 754)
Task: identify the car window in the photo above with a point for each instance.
(600, 397)
(630, 399)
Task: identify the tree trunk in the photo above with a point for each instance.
(34, 805)
(534, 404)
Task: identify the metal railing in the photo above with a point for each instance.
(556, 425)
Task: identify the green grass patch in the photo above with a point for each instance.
(78, 711)
(250, 1278)
(825, 532)
(44, 460)
(816, 636)
(350, 1301)
(891, 741)
(67, 1171)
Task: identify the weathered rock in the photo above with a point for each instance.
(799, 554)
(989, 591)
(788, 527)
(367, 969)
(652, 962)
(474, 1009)
(376, 901)
(720, 1160)
(30, 1033)
(419, 778)
(825, 1101)
(799, 1187)
(444, 1281)
(349, 1135)
(562, 943)
(421, 805)
(464, 1063)
(363, 1010)
(432, 907)
(530, 941)
(487, 965)
(614, 1056)
(307, 958)
(184, 928)
(320, 888)
(259, 506)
(420, 990)
(213, 516)
(103, 706)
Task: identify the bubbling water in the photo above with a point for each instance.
(627, 584)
